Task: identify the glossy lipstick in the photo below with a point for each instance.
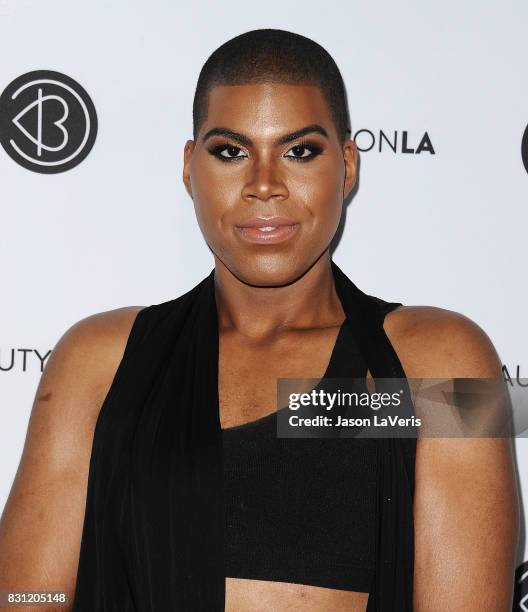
(267, 230)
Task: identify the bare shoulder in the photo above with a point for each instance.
(99, 340)
(105, 331)
(41, 525)
(440, 343)
(86, 357)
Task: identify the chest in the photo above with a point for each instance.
(248, 370)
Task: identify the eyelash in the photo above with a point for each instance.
(314, 148)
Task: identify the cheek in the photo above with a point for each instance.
(214, 194)
(320, 193)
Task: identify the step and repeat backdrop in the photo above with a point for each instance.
(96, 106)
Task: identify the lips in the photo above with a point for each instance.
(267, 230)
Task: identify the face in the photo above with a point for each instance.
(268, 176)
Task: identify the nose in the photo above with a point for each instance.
(264, 182)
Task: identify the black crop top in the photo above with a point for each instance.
(302, 510)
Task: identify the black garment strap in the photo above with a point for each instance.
(153, 529)
(393, 585)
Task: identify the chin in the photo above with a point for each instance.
(263, 272)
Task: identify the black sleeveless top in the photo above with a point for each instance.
(303, 510)
(155, 536)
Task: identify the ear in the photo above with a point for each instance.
(187, 155)
(350, 157)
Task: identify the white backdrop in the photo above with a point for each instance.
(443, 229)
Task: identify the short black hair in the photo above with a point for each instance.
(270, 55)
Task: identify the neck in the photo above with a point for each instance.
(309, 302)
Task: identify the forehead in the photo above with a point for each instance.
(267, 109)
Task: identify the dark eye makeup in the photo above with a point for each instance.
(303, 151)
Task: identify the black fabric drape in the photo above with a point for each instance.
(153, 529)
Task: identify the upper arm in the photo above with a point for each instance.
(41, 525)
(466, 525)
(466, 511)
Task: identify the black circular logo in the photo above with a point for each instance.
(48, 122)
(524, 148)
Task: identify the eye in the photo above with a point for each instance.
(227, 152)
(304, 151)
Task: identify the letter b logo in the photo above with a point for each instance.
(48, 122)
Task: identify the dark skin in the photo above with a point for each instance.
(279, 316)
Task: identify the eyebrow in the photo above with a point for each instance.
(243, 139)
